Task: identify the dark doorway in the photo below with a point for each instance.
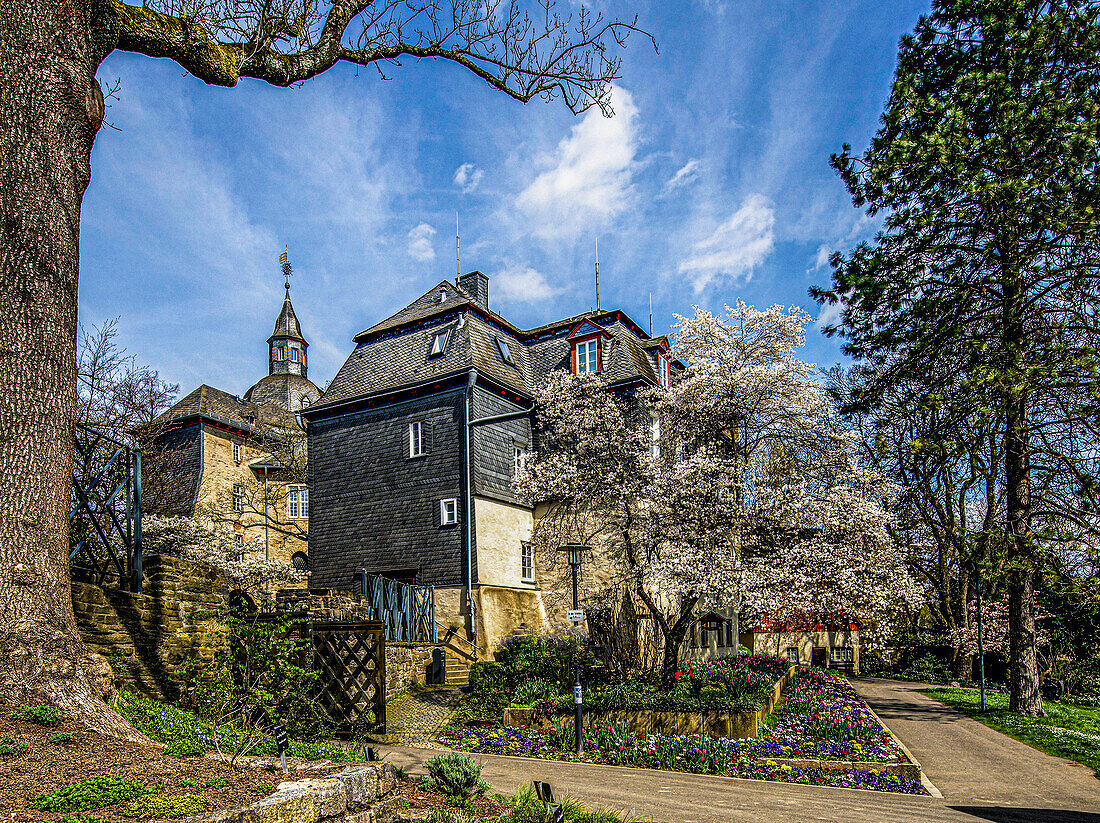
(817, 656)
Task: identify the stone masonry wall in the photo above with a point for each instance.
(151, 633)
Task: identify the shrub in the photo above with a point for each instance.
(486, 677)
(553, 656)
(534, 691)
(10, 746)
(161, 806)
(455, 775)
(60, 738)
(185, 747)
(43, 715)
(92, 793)
(80, 817)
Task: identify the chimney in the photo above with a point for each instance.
(476, 285)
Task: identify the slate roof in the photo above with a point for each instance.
(217, 406)
(287, 391)
(394, 353)
(286, 325)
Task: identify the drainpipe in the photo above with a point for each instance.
(469, 500)
(202, 461)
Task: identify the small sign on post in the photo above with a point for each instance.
(281, 743)
(577, 698)
(575, 615)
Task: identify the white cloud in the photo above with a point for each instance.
(830, 313)
(736, 247)
(420, 243)
(821, 259)
(685, 175)
(468, 177)
(590, 180)
(522, 284)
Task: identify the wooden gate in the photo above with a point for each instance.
(350, 659)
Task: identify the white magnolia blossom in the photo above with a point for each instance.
(193, 540)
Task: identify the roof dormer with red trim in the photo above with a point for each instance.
(587, 342)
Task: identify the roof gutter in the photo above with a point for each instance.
(468, 495)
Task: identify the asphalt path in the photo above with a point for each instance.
(982, 775)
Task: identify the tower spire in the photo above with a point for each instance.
(597, 274)
(288, 270)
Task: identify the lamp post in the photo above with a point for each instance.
(981, 648)
(574, 552)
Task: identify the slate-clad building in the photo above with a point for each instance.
(415, 442)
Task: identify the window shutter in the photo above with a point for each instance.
(426, 429)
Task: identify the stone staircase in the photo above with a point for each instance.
(458, 668)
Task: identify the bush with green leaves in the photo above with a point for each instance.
(80, 817)
(163, 806)
(60, 738)
(43, 715)
(91, 793)
(486, 677)
(268, 679)
(455, 775)
(534, 691)
(552, 656)
(9, 746)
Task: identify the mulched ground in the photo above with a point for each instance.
(47, 766)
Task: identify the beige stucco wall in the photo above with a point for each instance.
(220, 473)
(805, 642)
(504, 611)
(501, 529)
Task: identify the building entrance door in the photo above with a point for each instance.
(818, 656)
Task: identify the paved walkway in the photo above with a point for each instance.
(983, 775)
(413, 719)
(973, 764)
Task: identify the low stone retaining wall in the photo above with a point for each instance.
(406, 664)
(712, 724)
(910, 768)
(355, 795)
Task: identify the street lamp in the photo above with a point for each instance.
(573, 552)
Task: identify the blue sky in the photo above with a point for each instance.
(710, 184)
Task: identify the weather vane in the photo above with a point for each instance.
(288, 270)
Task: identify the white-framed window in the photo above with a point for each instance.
(588, 356)
(527, 561)
(439, 343)
(238, 497)
(448, 511)
(416, 439)
(519, 459)
(238, 538)
(655, 437)
(297, 502)
(842, 654)
(237, 453)
(792, 654)
(662, 369)
(505, 351)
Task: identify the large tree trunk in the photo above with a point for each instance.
(1024, 694)
(50, 111)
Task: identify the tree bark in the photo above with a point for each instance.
(1024, 694)
(50, 110)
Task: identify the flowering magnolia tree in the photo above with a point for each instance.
(191, 539)
(751, 497)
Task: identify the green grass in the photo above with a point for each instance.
(1069, 730)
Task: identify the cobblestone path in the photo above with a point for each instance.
(413, 719)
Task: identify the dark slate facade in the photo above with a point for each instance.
(377, 505)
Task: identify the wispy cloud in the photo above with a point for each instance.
(468, 177)
(420, 243)
(522, 284)
(735, 247)
(590, 179)
(684, 176)
(821, 259)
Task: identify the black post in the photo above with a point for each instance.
(578, 700)
(981, 646)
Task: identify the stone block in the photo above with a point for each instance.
(365, 784)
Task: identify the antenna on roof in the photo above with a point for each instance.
(288, 270)
(458, 262)
(597, 274)
(651, 314)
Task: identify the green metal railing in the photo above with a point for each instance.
(105, 509)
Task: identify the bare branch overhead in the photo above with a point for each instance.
(522, 53)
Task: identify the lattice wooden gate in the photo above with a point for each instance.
(351, 663)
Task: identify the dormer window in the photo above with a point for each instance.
(588, 356)
(505, 351)
(662, 369)
(439, 343)
(442, 295)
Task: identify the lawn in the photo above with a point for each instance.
(1069, 730)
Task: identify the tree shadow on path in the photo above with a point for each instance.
(1012, 814)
